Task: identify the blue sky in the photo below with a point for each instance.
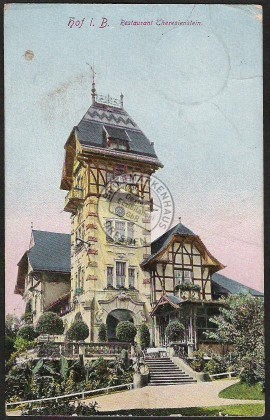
(196, 91)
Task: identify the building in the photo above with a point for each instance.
(185, 285)
(107, 270)
(44, 272)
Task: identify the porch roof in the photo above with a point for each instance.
(175, 303)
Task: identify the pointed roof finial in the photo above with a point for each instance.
(93, 90)
(32, 225)
(179, 218)
(122, 100)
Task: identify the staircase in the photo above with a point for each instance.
(164, 372)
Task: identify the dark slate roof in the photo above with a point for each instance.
(50, 252)
(222, 283)
(162, 242)
(90, 130)
(173, 299)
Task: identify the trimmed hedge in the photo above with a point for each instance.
(102, 333)
(126, 331)
(50, 323)
(144, 336)
(78, 331)
(27, 332)
(175, 331)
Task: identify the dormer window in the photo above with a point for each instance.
(116, 138)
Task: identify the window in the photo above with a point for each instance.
(109, 230)
(120, 232)
(82, 278)
(130, 232)
(120, 274)
(131, 277)
(79, 277)
(118, 144)
(183, 276)
(109, 276)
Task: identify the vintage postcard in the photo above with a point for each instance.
(134, 210)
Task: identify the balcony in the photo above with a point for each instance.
(73, 199)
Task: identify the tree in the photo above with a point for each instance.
(241, 323)
(27, 332)
(175, 331)
(12, 325)
(126, 331)
(50, 323)
(102, 333)
(9, 346)
(144, 336)
(78, 331)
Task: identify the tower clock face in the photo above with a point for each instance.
(120, 211)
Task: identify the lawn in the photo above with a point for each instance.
(246, 410)
(242, 391)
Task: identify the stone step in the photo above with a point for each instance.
(171, 383)
(172, 375)
(162, 381)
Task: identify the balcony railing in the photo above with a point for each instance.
(73, 198)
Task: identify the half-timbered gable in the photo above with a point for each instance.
(179, 257)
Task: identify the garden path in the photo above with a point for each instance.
(204, 394)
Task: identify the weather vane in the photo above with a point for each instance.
(93, 90)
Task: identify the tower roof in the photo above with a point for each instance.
(102, 119)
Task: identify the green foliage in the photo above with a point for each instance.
(102, 333)
(27, 317)
(175, 331)
(12, 325)
(243, 391)
(33, 379)
(198, 363)
(125, 359)
(21, 345)
(241, 323)
(9, 346)
(188, 286)
(126, 331)
(241, 410)
(62, 409)
(78, 331)
(217, 364)
(27, 332)
(144, 336)
(50, 323)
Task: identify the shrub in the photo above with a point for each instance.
(125, 359)
(126, 331)
(198, 363)
(78, 331)
(27, 332)
(27, 317)
(144, 336)
(62, 409)
(102, 333)
(50, 323)
(21, 345)
(175, 331)
(216, 365)
(9, 346)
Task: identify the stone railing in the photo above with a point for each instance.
(71, 349)
(104, 349)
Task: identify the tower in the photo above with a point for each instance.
(107, 168)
